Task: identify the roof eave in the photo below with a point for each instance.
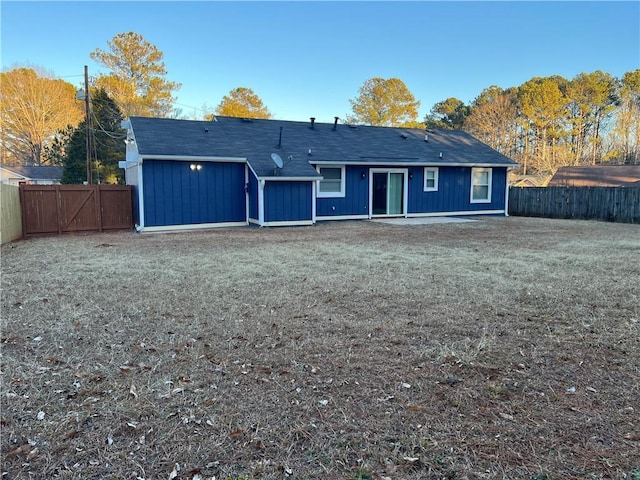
(192, 158)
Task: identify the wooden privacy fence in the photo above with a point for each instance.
(57, 209)
(612, 204)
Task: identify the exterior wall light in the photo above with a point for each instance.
(194, 167)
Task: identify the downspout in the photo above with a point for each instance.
(313, 201)
(246, 192)
(261, 184)
(370, 193)
(506, 193)
(140, 196)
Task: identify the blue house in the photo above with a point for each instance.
(231, 171)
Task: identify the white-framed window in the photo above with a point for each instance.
(481, 185)
(332, 185)
(430, 179)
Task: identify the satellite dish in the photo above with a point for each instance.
(277, 160)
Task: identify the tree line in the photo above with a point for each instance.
(544, 123)
(548, 122)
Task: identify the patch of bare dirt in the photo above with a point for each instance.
(502, 348)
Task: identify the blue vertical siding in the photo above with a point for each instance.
(453, 195)
(454, 191)
(253, 196)
(176, 195)
(356, 199)
(287, 201)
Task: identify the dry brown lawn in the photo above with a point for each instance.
(505, 348)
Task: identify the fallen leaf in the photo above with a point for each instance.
(132, 391)
(40, 415)
(506, 416)
(18, 450)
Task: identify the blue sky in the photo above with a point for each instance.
(308, 59)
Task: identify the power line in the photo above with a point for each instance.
(113, 135)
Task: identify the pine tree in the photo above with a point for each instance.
(107, 140)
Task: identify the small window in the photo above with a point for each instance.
(332, 185)
(480, 185)
(431, 179)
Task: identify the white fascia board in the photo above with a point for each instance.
(193, 158)
(15, 175)
(253, 171)
(422, 163)
(290, 179)
(473, 165)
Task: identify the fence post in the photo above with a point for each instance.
(98, 193)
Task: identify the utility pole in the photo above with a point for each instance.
(87, 108)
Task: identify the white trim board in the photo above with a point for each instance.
(342, 217)
(450, 214)
(292, 223)
(192, 226)
(417, 163)
(193, 158)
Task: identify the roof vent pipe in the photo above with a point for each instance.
(313, 120)
(335, 122)
(426, 137)
(440, 154)
(280, 138)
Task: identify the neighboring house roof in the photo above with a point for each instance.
(529, 180)
(35, 172)
(299, 145)
(597, 176)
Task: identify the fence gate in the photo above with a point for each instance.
(57, 209)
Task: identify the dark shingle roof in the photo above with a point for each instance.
(257, 139)
(37, 172)
(597, 176)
